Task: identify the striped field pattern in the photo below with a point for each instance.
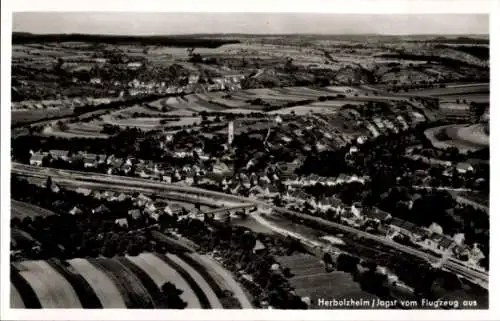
(16, 302)
(104, 288)
(134, 294)
(132, 282)
(161, 272)
(212, 297)
(53, 290)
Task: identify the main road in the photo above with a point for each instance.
(113, 182)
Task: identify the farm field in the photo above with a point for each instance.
(16, 302)
(465, 138)
(465, 89)
(22, 209)
(52, 290)
(124, 282)
(310, 280)
(26, 116)
(83, 130)
(160, 113)
(20, 237)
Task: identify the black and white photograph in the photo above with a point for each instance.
(247, 160)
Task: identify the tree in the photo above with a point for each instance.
(172, 296)
(48, 183)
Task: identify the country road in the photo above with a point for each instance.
(113, 182)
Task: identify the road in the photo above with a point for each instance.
(117, 182)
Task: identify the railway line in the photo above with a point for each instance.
(119, 182)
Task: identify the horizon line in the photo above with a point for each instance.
(256, 34)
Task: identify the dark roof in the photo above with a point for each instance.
(446, 242)
(379, 215)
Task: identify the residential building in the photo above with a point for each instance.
(61, 154)
(101, 209)
(135, 214)
(123, 222)
(36, 159)
(75, 211)
(464, 167)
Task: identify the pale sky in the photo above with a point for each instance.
(142, 23)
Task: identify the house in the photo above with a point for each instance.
(84, 191)
(134, 65)
(353, 150)
(446, 243)
(101, 209)
(189, 179)
(154, 215)
(36, 159)
(75, 211)
(151, 207)
(96, 195)
(406, 228)
(149, 212)
(464, 167)
(121, 197)
(123, 222)
(221, 168)
(193, 79)
(245, 181)
(173, 209)
(61, 154)
(135, 214)
(263, 178)
(95, 81)
(432, 242)
(378, 215)
(142, 199)
(259, 247)
(108, 195)
(143, 174)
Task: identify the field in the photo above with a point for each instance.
(26, 116)
(174, 112)
(310, 280)
(22, 210)
(479, 92)
(465, 138)
(123, 282)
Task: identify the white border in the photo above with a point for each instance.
(337, 6)
(332, 6)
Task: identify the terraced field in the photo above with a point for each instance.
(124, 282)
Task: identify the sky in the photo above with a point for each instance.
(143, 23)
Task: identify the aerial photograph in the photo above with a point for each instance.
(249, 161)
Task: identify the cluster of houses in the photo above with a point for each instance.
(144, 169)
(88, 159)
(61, 103)
(226, 82)
(430, 239)
(144, 206)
